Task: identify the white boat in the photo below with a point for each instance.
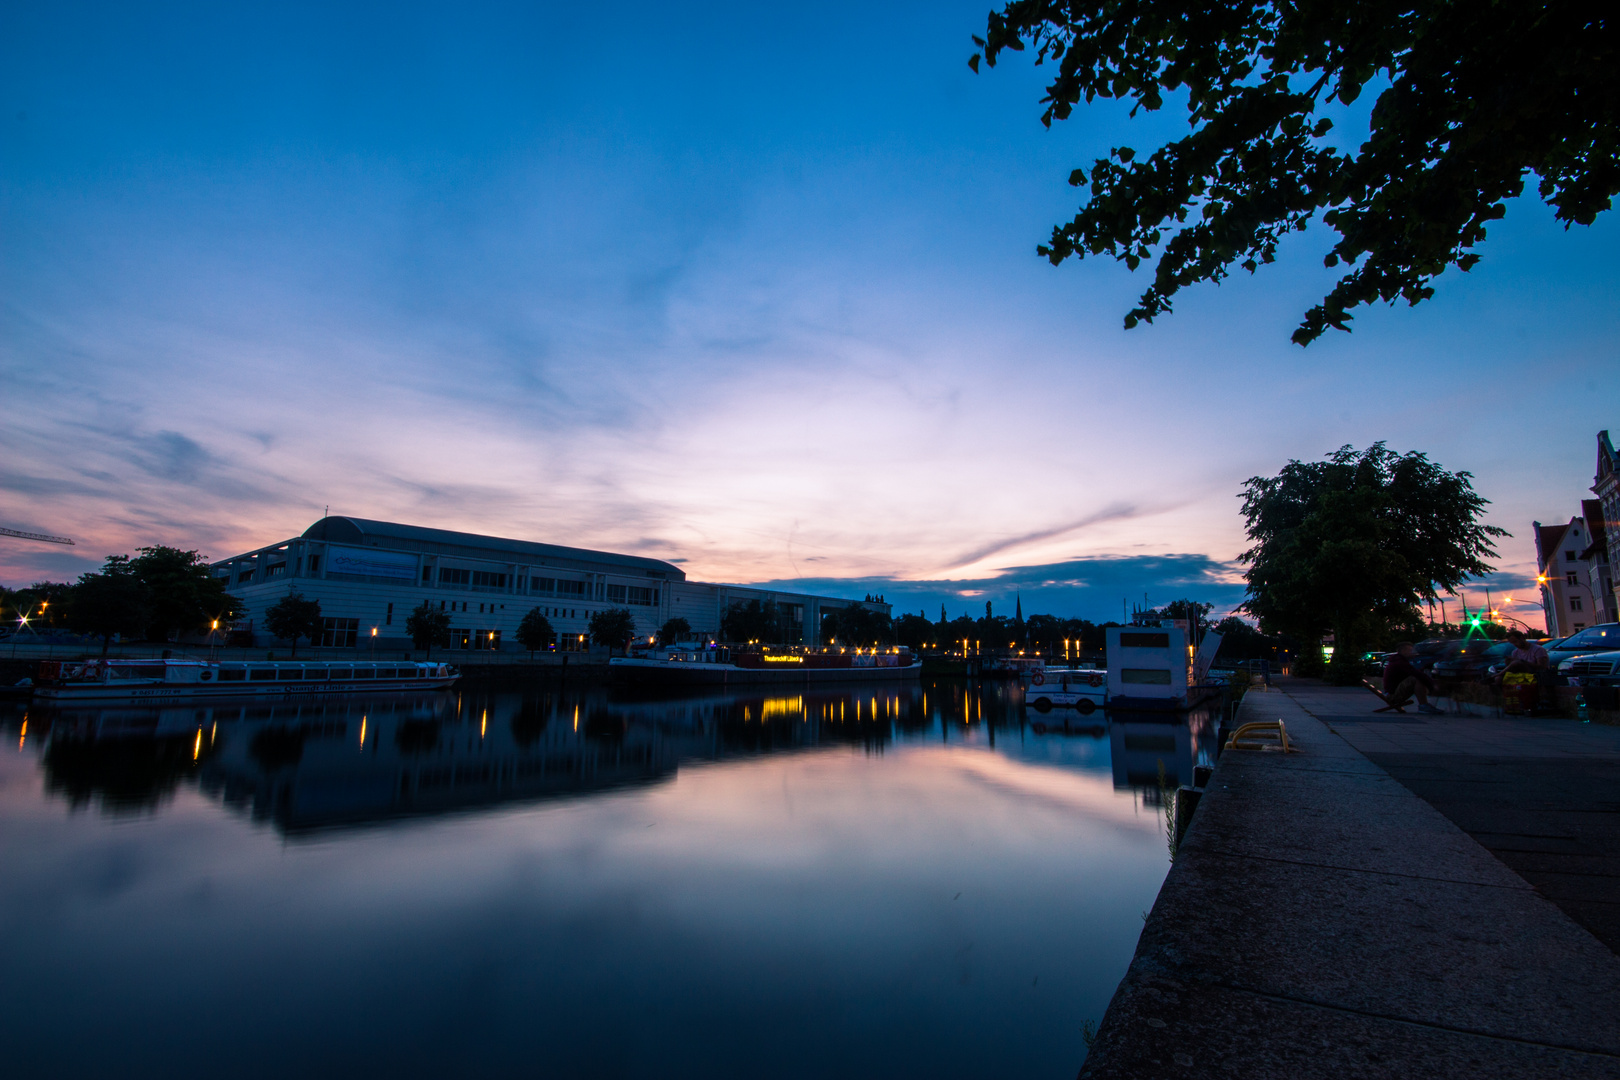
(1085, 689)
(120, 679)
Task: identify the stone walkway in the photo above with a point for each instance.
(1322, 920)
(1542, 795)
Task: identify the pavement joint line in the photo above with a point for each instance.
(1525, 887)
(1331, 1007)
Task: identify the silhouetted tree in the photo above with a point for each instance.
(428, 626)
(293, 617)
(1480, 95)
(185, 594)
(676, 629)
(613, 627)
(1356, 542)
(112, 601)
(535, 631)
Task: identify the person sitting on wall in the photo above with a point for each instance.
(1403, 679)
(1527, 657)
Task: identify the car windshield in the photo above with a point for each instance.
(1597, 637)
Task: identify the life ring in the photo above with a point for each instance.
(204, 676)
(1095, 680)
(1038, 678)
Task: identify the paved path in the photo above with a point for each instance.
(1541, 795)
(1322, 920)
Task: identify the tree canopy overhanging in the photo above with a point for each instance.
(1480, 93)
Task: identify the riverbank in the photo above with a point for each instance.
(1323, 919)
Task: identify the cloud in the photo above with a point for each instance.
(1091, 588)
(1114, 512)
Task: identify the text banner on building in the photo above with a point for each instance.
(383, 564)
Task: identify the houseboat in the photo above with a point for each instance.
(1085, 689)
(120, 679)
(691, 664)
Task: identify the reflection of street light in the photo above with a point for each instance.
(373, 644)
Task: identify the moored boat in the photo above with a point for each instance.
(1085, 689)
(174, 680)
(688, 664)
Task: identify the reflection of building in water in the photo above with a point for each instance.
(1141, 742)
(336, 762)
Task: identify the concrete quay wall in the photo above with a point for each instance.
(1321, 920)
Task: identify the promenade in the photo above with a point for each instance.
(1407, 896)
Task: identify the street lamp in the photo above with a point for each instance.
(374, 644)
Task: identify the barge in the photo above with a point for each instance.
(185, 680)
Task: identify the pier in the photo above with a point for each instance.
(1405, 896)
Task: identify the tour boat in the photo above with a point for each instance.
(1084, 688)
(686, 664)
(175, 680)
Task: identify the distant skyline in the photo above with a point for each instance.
(751, 290)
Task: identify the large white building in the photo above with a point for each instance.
(370, 575)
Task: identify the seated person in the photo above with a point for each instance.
(1403, 679)
(1527, 656)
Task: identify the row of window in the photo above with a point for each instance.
(292, 674)
(623, 594)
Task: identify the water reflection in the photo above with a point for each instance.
(346, 761)
(913, 879)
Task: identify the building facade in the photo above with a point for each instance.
(369, 576)
(1565, 564)
(1606, 486)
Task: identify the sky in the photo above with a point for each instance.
(750, 290)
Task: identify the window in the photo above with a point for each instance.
(643, 597)
(342, 673)
(246, 575)
(1569, 556)
(389, 621)
(232, 674)
(1571, 578)
(487, 639)
(314, 564)
(461, 639)
(265, 674)
(545, 586)
(615, 594)
(449, 576)
(339, 633)
(275, 569)
(578, 589)
(289, 674)
(1575, 603)
(1144, 641)
(488, 580)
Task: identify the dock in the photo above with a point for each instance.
(1405, 896)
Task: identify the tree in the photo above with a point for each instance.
(1478, 95)
(754, 621)
(293, 617)
(112, 601)
(534, 632)
(613, 627)
(185, 594)
(858, 626)
(676, 629)
(429, 626)
(1356, 542)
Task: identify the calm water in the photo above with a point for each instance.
(884, 881)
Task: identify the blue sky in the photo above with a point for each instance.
(748, 289)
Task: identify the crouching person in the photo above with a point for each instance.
(1404, 680)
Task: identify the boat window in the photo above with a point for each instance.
(263, 674)
(232, 674)
(315, 673)
(385, 673)
(142, 671)
(341, 673)
(289, 674)
(365, 673)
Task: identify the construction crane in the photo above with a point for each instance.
(43, 537)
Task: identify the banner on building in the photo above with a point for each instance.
(371, 563)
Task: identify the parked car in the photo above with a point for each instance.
(1604, 637)
(1471, 660)
(1427, 652)
(1592, 669)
